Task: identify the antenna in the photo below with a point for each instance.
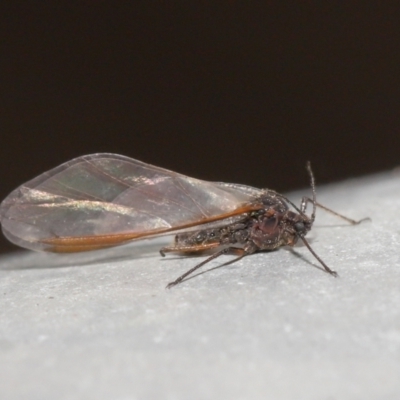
(312, 183)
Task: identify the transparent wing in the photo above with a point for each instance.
(109, 195)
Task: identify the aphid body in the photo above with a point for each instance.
(103, 200)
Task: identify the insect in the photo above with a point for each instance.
(104, 200)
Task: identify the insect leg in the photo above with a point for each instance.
(241, 252)
(188, 248)
(326, 268)
(306, 200)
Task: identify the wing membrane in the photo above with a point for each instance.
(102, 200)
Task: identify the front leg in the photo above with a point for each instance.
(305, 200)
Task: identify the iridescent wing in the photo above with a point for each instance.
(103, 200)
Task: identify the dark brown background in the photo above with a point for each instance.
(233, 91)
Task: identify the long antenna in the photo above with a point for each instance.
(312, 183)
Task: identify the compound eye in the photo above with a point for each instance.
(299, 227)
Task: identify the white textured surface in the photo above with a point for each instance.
(272, 326)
